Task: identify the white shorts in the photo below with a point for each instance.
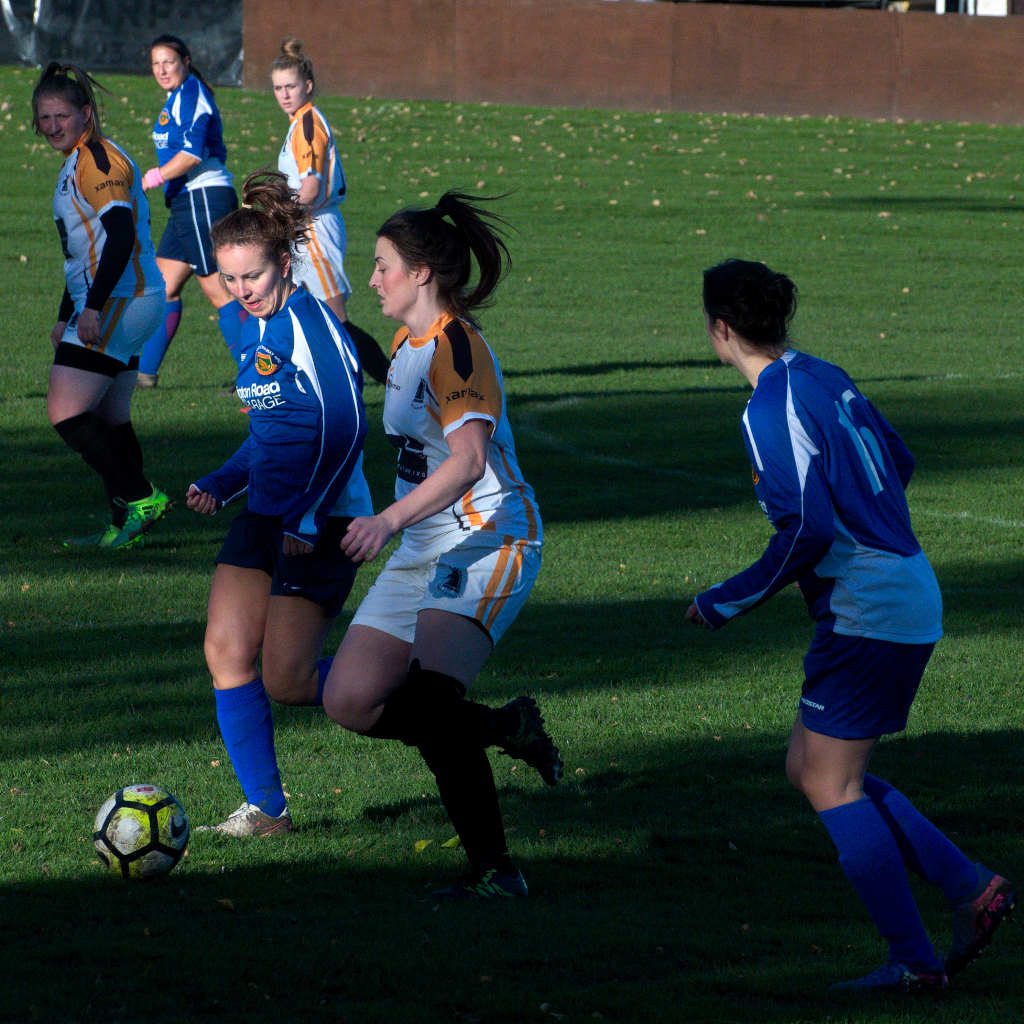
(125, 326)
(320, 265)
(486, 580)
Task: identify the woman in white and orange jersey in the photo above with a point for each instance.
(111, 303)
(310, 161)
(471, 538)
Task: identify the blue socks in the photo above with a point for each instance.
(323, 666)
(925, 849)
(230, 318)
(247, 726)
(870, 858)
(156, 347)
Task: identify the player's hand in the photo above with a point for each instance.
(201, 501)
(693, 615)
(152, 179)
(365, 537)
(88, 325)
(57, 334)
(294, 546)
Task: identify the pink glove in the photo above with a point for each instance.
(152, 179)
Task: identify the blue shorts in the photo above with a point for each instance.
(856, 688)
(186, 238)
(324, 576)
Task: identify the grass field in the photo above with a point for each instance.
(674, 875)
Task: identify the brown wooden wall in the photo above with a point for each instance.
(654, 56)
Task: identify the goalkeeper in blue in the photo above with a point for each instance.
(281, 576)
(829, 473)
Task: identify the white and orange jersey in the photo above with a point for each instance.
(96, 177)
(309, 149)
(436, 384)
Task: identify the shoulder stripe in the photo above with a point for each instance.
(462, 352)
(100, 156)
(307, 125)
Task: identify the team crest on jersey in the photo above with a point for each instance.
(163, 119)
(450, 581)
(267, 364)
(417, 401)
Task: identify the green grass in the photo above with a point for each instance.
(675, 876)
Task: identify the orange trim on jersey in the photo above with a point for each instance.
(93, 258)
(328, 281)
(529, 508)
(494, 600)
(111, 319)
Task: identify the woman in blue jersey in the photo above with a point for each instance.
(281, 577)
(310, 160)
(191, 169)
(110, 303)
(830, 473)
(471, 538)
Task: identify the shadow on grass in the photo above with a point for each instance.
(695, 887)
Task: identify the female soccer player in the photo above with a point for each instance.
(311, 162)
(191, 157)
(830, 473)
(471, 538)
(281, 577)
(110, 305)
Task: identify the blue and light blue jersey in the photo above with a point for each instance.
(300, 377)
(829, 473)
(189, 122)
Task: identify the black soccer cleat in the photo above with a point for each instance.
(526, 739)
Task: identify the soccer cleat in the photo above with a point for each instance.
(485, 884)
(146, 380)
(142, 514)
(250, 820)
(895, 977)
(975, 921)
(104, 539)
(528, 741)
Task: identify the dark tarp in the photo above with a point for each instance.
(112, 35)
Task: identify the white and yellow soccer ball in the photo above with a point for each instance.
(141, 831)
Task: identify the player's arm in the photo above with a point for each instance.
(64, 314)
(309, 151)
(118, 247)
(901, 454)
(225, 484)
(343, 427)
(798, 505)
(463, 467)
(178, 166)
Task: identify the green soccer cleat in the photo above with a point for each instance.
(526, 739)
(485, 884)
(106, 538)
(142, 514)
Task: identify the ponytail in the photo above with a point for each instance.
(444, 239)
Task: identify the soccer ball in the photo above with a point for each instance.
(141, 831)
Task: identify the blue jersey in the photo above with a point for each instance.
(829, 473)
(190, 123)
(299, 375)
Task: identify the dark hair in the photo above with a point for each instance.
(756, 302)
(424, 238)
(270, 216)
(179, 47)
(293, 59)
(73, 85)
